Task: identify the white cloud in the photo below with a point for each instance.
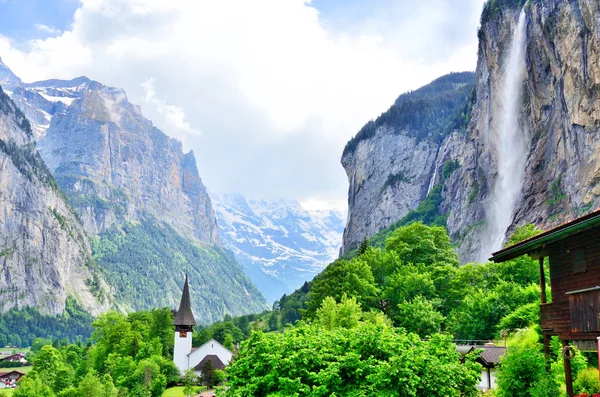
(274, 90)
(173, 115)
(46, 29)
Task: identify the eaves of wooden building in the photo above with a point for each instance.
(573, 312)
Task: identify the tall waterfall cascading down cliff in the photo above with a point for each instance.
(510, 145)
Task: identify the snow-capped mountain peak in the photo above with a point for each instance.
(280, 244)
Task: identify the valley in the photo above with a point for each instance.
(466, 263)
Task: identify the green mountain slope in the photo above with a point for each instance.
(145, 263)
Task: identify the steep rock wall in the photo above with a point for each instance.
(44, 253)
(560, 119)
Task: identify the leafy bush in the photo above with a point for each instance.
(365, 360)
(587, 381)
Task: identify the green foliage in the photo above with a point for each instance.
(417, 283)
(449, 167)
(419, 316)
(522, 233)
(419, 243)
(145, 264)
(493, 7)
(523, 369)
(351, 278)
(130, 356)
(557, 194)
(223, 332)
(394, 179)
(273, 321)
(208, 374)
(346, 314)
(33, 386)
(190, 379)
(587, 381)
(431, 112)
(219, 376)
(359, 361)
(27, 324)
(364, 246)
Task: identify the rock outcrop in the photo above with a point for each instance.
(112, 163)
(560, 119)
(44, 252)
(394, 161)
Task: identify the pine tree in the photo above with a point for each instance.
(364, 246)
(208, 374)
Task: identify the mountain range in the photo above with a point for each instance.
(279, 244)
(518, 140)
(131, 202)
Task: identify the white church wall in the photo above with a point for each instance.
(210, 347)
(182, 348)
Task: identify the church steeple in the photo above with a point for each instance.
(184, 326)
(185, 317)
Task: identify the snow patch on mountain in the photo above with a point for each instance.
(279, 244)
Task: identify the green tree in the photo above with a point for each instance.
(346, 314)
(49, 367)
(364, 360)
(419, 316)
(190, 380)
(33, 386)
(364, 246)
(208, 374)
(353, 278)
(418, 243)
(273, 321)
(523, 367)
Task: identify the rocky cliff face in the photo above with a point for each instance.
(121, 168)
(394, 161)
(279, 244)
(44, 252)
(559, 117)
(139, 197)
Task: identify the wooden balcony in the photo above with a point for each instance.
(554, 318)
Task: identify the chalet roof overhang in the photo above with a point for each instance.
(536, 245)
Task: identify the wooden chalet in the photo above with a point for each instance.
(573, 312)
(9, 378)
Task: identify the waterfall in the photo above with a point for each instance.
(509, 144)
(435, 168)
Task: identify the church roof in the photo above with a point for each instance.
(214, 359)
(184, 314)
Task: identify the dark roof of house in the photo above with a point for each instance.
(538, 242)
(184, 314)
(216, 362)
(490, 356)
(10, 372)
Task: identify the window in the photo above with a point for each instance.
(579, 264)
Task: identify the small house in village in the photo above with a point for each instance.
(573, 250)
(489, 358)
(184, 356)
(13, 358)
(10, 378)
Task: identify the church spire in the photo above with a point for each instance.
(185, 317)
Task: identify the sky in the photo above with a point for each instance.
(265, 92)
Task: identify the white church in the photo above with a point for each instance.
(185, 356)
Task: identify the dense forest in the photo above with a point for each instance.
(145, 264)
(432, 111)
(409, 292)
(21, 327)
(382, 322)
